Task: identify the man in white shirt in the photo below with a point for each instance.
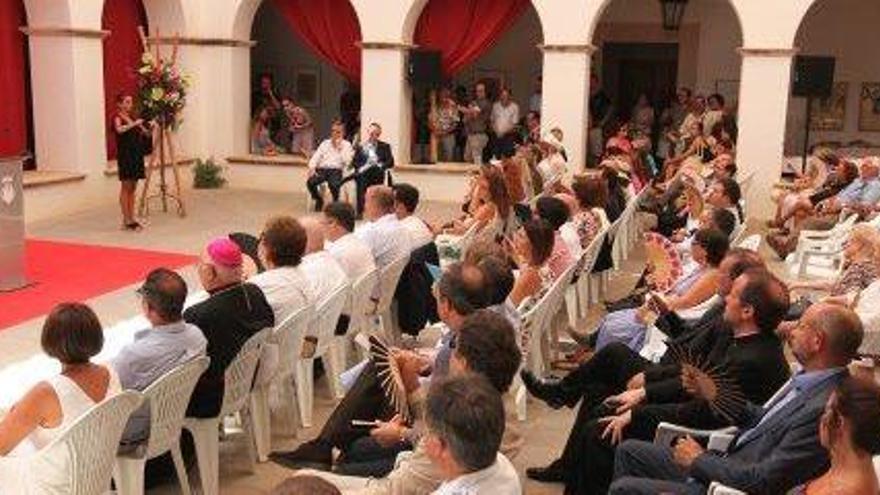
(465, 423)
(319, 267)
(505, 117)
(384, 233)
(349, 251)
(328, 163)
(281, 249)
(406, 200)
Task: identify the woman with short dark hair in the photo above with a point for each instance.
(72, 335)
(531, 248)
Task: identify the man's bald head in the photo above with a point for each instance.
(379, 202)
(314, 234)
(842, 329)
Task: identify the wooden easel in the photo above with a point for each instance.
(163, 154)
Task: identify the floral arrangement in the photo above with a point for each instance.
(161, 90)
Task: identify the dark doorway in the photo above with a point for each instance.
(630, 69)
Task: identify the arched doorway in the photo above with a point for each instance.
(636, 56)
(16, 118)
(480, 41)
(122, 55)
(849, 120)
(317, 68)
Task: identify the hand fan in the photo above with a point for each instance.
(389, 376)
(664, 261)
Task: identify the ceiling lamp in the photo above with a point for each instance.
(673, 12)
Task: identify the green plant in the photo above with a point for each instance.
(207, 174)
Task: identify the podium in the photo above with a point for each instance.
(12, 275)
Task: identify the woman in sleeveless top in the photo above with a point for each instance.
(72, 334)
(530, 249)
(130, 134)
(489, 208)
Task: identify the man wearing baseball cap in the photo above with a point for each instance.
(234, 311)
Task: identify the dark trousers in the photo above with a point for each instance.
(333, 178)
(642, 468)
(504, 146)
(371, 177)
(367, 459)
(612, 367)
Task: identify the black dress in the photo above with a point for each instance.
(130, 154)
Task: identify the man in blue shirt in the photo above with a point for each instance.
(778, 447)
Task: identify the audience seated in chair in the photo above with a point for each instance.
(169, 342)
(383, 232)
(233, 313)
(72, 335)
(531, 249)
(779, 446)
(281, 249)
(320, 269)
(461, 290)
(406, 200)
(555, 212)
(352, 253)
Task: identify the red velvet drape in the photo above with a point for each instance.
(122, 55)
(464, 29)
(330, 28)
(13, 73)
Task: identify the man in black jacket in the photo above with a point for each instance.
(778, 447)
(371, 159)
(617, 368)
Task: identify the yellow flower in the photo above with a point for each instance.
(157, 94)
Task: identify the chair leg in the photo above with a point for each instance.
(520, 399)
(180, 467)
(333, 360)
(262, 422)
(207, 444)
(304, 381)
(129, 476)
(250, 437)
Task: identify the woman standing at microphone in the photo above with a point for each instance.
(131, 136)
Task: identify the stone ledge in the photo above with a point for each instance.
(40, 178)
(299, 161)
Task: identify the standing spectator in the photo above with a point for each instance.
(671, 120)
(536, 99)
(643, 116)
(327, 164)
(505, 117)
(476, 118)
(443, 124)
(299, 129)
(264, 96)
(714, 115)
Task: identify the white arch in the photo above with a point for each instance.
(597, 11)
(246, 10)
(411, 18)
(168, 16)
(42, 13)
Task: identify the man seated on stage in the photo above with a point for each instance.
(461, 291)
(371, 159)
(485, 346)
(406, 200)
(233, 313)
(349, 250)
(168, 343)
(328, 163)
(383, 232)
(778, 447)
(319, 267)
(281, 249)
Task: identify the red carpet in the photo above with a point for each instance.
(62, 271)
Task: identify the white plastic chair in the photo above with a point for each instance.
(90, 445)
(824, 247)
(238, 379)
(584, 285)
(451, 248)
(389, 276)
(288, 336)
(168, 398)
(752, 243)
(358, 306)
(322, 327)
(738, 233)
(716, 488)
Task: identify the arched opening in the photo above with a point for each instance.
(638, 58)
(480, 41)
(122, 55)
(16, 114)
(848, 120)
(308, 51)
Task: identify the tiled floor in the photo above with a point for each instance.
(214, 213)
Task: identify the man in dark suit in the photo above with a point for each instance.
(617, 368)
(778, 447)
(371, 159)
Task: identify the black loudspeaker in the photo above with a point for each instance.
(424, 68)
(813, 76)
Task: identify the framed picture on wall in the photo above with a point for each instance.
(493, 79)
(729, 90)
(829, 114)
(869, 107)
(307, 86)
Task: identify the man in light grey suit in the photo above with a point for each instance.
(778, 446)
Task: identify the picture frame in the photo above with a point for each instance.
(869, 107)
(307, 87)
(829, 114)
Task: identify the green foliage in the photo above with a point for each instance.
(207, 175)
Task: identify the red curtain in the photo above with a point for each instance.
(14, 103)
(122, 54)
(330, 28)
(464, 29)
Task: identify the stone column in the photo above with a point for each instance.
(68, 98)
(763, 107)
(386, 97)
(565, 99)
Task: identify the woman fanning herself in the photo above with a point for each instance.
(629, 325)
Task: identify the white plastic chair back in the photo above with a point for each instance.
(360, 302)
(92, 440)
(326, 317)
(752, 242)
(616, 240)
(738, 233)
(239, 375)
(289, 338)
(168, 398)
(388, 278)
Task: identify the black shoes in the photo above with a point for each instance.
(549, 392)
(313, 454)
(554, 473)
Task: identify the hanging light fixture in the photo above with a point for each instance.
(673, 12)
